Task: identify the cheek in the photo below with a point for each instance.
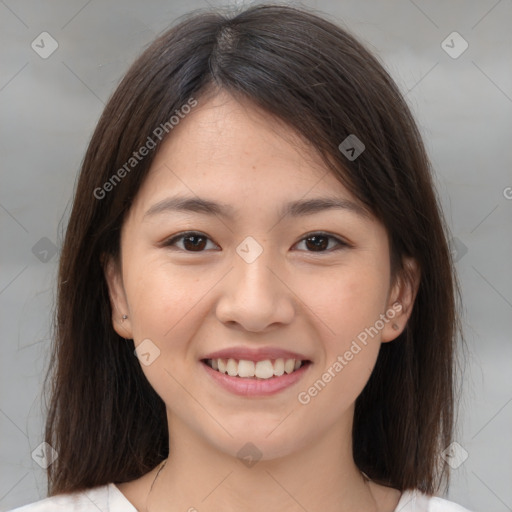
(347, 301)
(349, 351)
(332, 390)
(166, 304)
(161, 296)
(347, 304)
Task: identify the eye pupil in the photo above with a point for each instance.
(194, 247)
(317, 238)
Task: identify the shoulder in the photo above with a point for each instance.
(107, 498)
(416, 501)
(442, 505)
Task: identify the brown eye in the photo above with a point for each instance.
(192, 241)
(319, 242)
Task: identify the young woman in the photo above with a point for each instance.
(256, 302)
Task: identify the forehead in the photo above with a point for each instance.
(238, 154)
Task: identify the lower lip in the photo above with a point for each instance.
(256, 387)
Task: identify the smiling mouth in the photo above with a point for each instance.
(266, 369)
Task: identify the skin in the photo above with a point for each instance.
(291, 297)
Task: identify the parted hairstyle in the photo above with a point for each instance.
(105, 421)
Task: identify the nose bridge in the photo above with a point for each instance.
(254, 273)
(254, 280)
(253, 295)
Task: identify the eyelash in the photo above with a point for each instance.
(340, 243)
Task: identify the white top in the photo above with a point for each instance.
(109, 498)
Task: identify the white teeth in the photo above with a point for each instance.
(232, 367)
(246, 368)
(264, 369)
(289, 365)
(279, 367)
(249, 369)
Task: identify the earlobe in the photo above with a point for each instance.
(119, 305)
(401, 299)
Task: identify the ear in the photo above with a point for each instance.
(118, 302)
(401, 299)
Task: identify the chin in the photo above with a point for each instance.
(260, 440)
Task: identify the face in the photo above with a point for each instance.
(252, 281)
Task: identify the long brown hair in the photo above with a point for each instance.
(104, 419)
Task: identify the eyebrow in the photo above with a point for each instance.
(298, 208)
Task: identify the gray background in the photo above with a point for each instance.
(49, 107)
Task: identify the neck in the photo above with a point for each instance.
(320, 476)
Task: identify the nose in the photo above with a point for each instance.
(254, 296)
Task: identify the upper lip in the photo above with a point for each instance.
(259, 354)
